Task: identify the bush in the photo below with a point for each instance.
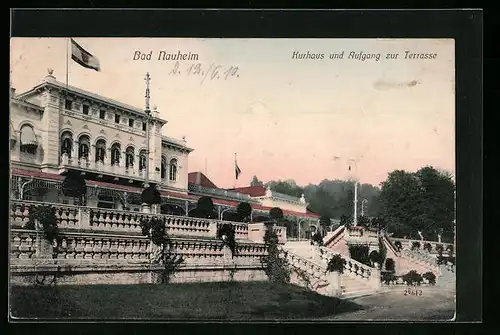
(226, 232)
(275, 263)
(428, 247)
(154, 228)
(439, 248)
(382, 251)
(276, 214)
(398, 245)
(244, 210)
(336, 263)
(412, 277)
(74, 186)
(46, 217)
(415, 245)
(360, 253)
(151, 196)
(431, 277)
(388, 277)
(390, 265)
(449, 248)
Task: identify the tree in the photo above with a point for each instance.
(324, 221)
(204, 208)
(288, 187)
(151, 195)
(363, 221)
(276, 214)
(74, 186)
(256, 182)
(421, 201)
(345, 220)
(244, 211)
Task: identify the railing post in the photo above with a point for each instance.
(212, 232)
(375, 278)
(84, 217)
(333, 278)
(256, 232)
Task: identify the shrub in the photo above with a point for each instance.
(428, 247)
(360, 253)
(375, 257)
(431, 277)
(151, 196)
(336, 263)
(398, 245)
(276, 214)
(388, 277)
(415, 245)
(318, 238)
(154, 228)
(449, 248)
(382, 250)
(226, 232)
(390, 265)
(74, 185)
(439, 248)
(244, 210)
(412, 277)
(275, 263)
(46, 217)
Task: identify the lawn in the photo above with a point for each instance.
(213, 301)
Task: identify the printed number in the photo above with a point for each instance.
(418, 293)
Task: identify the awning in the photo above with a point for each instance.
(28, 136)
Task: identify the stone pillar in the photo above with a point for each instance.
(256, 232)
(74, 153)
(375, 281)
(44, 248)
(334, 289)
(212, 229)
(146, 208)
(84, 217)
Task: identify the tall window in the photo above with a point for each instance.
(130, 122)
(144, 126)
(115, 154)
(100, 150)
(173, 170)
(129, 157)
(68, 104)
(142, 160)
(86, 109)
(117, 118)
(163, 168)
(83, 147)
(66, 143)
(102, 114)
(28, 140)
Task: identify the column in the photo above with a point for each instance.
(74, 153)
(91, 156)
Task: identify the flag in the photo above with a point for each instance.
(349, 168)
(237, 170)
(83, 57)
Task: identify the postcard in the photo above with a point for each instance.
(232, 179)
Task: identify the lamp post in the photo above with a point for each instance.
(299, 223)
(222, 212)
(355, 218)
(148, 114)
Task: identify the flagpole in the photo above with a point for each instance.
(235, 164)
(67, 61)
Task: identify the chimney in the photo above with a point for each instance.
(198, 178)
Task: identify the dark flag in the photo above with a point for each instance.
(236, 169)
(83, 57)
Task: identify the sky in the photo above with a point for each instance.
(286, 118)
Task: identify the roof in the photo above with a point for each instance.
(27, 104)
(175, 142)
(204, 181)
(52, 176)
(253, 191)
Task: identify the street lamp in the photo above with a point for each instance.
(299, 223)
(355, 219)
(222, 212)
(362, 207)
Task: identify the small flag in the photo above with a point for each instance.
(236, 169)
(83, 57)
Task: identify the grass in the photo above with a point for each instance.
(212, 301)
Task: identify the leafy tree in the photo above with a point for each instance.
(151, 195)
(276, 214)
(421, 201)
(275, 263)
(244, 210)
(345, 220)
(363, 221)
(359, 252)
(74, 186)
(288, 187)
(256, 182)
(324, 221)
(336, 263)
(204, 208)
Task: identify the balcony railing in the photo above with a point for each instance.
(111, 169)
(219, 193)
(120, 221)
(285, 197)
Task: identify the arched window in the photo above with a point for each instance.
(28, 140)
(173, 170)
(66, 143)
(115, 154)
(129, 157)
(163, 168)
(100, 150)
(83, 147)
(142, 159)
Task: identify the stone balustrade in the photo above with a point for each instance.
(281, 233)
(220, 193)
(113, 220)
(426, 261)
(314, 269)
(408, 244)
(356, 269)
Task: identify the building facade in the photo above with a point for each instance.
(57, 128)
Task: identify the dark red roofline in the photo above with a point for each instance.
(53, 176)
